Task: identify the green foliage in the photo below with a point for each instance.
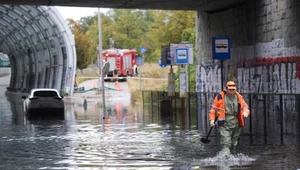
(86, 22)
(82, 44)
(92, 33)
(169, 27)
(125, 28)
(128, 28)
(189, 35)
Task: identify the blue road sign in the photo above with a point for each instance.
(143, 50)
(221, 48)
(181, 55)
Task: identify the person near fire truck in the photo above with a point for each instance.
(229, 110)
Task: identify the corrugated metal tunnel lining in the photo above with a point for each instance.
(40, 47)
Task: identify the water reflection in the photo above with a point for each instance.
(118, 140)
(126, 138)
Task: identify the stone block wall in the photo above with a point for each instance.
(264, 47)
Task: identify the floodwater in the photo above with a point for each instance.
(123, 138)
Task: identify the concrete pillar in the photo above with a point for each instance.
(203, 40)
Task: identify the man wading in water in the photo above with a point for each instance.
(231, 109)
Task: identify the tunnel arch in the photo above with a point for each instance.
(40, 46)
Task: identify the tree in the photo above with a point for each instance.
(85, 22)
(82, 44)
(127, 28)
(92, 33)
(169, 27)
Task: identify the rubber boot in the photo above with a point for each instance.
(233, 150)
(225, 152)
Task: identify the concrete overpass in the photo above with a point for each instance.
(203, 5)
(263, 33)
(41, 47)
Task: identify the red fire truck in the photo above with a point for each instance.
(122, 62)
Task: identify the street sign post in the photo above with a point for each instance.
(141, 61)
(162, 66)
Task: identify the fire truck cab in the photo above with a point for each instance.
(122, 63)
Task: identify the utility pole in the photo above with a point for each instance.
(101, 62)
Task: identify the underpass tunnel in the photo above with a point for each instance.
(40, 47)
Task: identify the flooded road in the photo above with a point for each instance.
(126, 139)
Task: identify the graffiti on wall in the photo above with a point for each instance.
(208, 77)
(269, 75)
(261, 75)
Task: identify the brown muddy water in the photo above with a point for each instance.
(126, 139)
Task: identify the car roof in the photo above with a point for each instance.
(42, 89)
(32, 91)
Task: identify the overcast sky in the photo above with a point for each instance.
(77, 12)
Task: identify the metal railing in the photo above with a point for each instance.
(273, 116)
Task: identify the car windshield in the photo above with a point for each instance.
(45, 94)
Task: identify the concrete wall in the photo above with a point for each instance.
(265, 49)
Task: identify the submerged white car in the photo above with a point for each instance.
(43, 102)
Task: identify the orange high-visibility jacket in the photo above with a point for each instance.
(218, 108)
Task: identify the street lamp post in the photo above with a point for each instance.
(101, 85)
